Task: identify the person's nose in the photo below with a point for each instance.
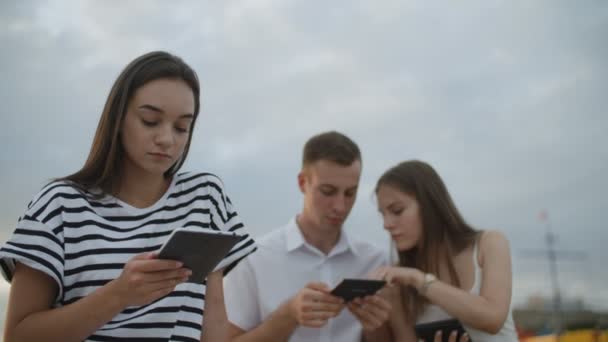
(340, 205)
(389, 223)
(164, 136)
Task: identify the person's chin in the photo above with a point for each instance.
(404, 245)
(330, 225)
(157, 169)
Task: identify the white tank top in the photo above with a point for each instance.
(506, 334)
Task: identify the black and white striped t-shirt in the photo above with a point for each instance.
(83, 243)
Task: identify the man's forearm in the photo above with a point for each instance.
(382, 334)
(277, 327)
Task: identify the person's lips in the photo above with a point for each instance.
(336, 220)
(160, 155)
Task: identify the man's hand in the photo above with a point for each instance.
(313, 306)
(371, 311)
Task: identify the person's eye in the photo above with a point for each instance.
(397, 211)
(149, 123)
(327, 192)
(181, 130)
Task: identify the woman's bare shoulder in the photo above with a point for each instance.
(493, 243)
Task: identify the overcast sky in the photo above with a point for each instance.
(506, 99)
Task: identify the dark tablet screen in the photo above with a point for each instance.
(350, 289)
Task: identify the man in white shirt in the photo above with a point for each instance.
(281, 292)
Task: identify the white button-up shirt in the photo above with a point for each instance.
(283, 264)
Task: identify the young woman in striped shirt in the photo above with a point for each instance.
(82, 259)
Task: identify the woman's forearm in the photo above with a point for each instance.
(473, 310)
(73, 322)
(215, 321)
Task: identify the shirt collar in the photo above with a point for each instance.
(293, 236)
(294, 240)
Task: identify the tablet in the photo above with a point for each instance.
(350, 289)
(427, 331)
(200, 250)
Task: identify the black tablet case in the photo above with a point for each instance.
(427, 331)
(200, 251)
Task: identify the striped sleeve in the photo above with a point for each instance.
(36, 245)
(229, 220)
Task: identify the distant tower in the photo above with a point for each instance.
(551, 255)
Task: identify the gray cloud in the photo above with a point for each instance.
(506, 99)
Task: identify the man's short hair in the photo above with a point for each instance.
(332, 146)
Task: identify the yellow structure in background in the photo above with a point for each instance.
(572, 336)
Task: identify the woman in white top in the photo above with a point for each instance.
(446, 268)
(82, 259)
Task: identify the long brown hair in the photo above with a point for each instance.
(102, 167)
(444, 232)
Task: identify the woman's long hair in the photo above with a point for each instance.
(102, 167)
(444, 232)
